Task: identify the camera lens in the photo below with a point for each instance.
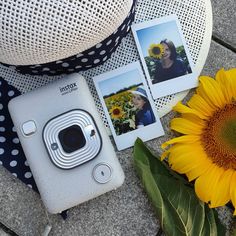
(72, 138)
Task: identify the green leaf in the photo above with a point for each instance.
(179, 210)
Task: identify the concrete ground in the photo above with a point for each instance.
(126, 211)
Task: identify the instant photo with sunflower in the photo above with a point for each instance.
(206, 152)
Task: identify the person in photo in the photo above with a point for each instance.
(170, 65)
(144, 115)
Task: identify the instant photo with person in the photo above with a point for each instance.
(164, 55)
(128, 105)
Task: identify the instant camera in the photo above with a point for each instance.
(66, 144)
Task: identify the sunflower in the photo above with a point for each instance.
(116, 112)
(206, 152)
(156, 51)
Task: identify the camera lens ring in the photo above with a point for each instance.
(87, 123)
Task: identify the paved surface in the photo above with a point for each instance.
(127, 210)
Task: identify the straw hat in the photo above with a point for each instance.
(43, 31)
(140, 91)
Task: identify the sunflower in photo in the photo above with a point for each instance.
(207, 150)
(156, 51)
(116, 112)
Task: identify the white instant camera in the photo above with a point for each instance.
(66, 145)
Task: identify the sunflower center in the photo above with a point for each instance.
(219, 137)
(116, 111)
(156, 50)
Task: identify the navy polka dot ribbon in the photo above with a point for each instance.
(88, 59)
(11, 154)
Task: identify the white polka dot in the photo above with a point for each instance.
(26, 163)
(2, 118)
(14, 174)
(14, 152)
(11, 93)
(46, 69)
(128, 29)
(65, 64)
(15, 140)
(2, 129)
(70, 70)
(0, 82)
(38, 65)
(28, 175)
(123, 27)
(84, 60)
(79, 55)
(59, 62)
(29, 185)
(0, 94)
(88, 66)
(91, 53)
(104, 58)
(109, 42)
(98, 45)
(34, 71)
(1, 151)
(0, 163)
(102, 52)
(13, 129)
(2, 139)
(52, 72)
(78, 67)
(96, 61)
(1, 106)
(117, 39)
(115, 31)
(13, 163)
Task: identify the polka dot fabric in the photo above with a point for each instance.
(11, 153)
(12, 156)
(88, 59)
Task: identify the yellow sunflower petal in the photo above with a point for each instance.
(185, 126)
(225, 85)
(179, 107)
(199, 170)
(233, 191)
(193, 118)
(221, 191)
(164, 154)
(201, 92)
(181, 139)
(231, 75)
(198, 103)
(212, 90)
(206, 183)
(183, 157)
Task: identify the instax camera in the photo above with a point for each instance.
(66, 145)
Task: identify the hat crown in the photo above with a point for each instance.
(140, 91)
(42, 31)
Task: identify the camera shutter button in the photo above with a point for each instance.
(102, 173)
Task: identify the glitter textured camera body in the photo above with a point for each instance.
(66, 144)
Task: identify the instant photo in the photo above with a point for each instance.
(128, 105)
(165, 56)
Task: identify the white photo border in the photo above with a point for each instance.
(174, 85)
(146, 133)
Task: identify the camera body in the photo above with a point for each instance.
(65, 142)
